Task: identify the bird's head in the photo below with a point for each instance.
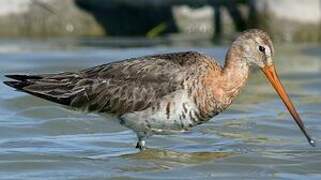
(257, 47)
(257, 50)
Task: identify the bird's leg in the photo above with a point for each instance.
(140, 143)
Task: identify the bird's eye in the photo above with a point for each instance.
(262, 49)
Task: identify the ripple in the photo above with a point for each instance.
(255, 138)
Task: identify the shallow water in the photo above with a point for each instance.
(254, 138)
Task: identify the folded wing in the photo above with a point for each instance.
(118, 88)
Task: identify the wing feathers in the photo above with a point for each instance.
(120, 87)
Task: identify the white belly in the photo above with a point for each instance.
(175, 113)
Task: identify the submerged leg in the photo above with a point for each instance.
(141, 142)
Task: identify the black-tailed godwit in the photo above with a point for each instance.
(164, 93)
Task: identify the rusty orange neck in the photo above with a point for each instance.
(220, 87)
(235, 72)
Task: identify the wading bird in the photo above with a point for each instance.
(165, 93)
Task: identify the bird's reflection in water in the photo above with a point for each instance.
(178, 157)
(158, 160)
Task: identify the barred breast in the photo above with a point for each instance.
(176, 112)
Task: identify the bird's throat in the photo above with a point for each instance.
(235, 73)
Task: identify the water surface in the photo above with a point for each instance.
(254, 138)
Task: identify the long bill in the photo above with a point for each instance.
(272, 76)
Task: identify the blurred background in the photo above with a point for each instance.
(254, 139)
(165, 20)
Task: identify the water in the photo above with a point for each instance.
(255, 138)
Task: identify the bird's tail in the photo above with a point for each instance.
(52, 87)
(20, 81)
